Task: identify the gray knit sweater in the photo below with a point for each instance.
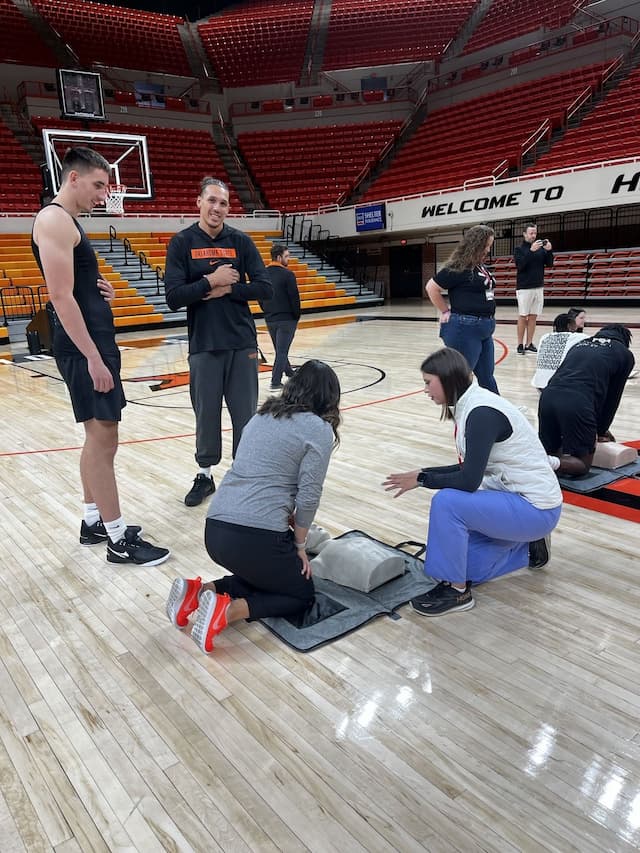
(280, 466)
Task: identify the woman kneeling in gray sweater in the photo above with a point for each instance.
(276, 478)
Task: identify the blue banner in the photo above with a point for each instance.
(371, 217)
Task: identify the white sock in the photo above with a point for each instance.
(205, 471)
(459, 589)
(554, 462)
(91, 514)
(115, 529)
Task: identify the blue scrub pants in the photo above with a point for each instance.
(476, 536)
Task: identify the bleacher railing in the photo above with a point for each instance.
(17, 302)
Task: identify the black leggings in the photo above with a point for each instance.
(265, 566)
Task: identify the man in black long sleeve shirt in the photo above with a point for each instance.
(214, 271)
(579, 404)
(530, 258)
(281, 312)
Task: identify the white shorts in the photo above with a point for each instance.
(530, 301)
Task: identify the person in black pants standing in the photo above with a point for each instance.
(214, 271)
(531, 258)
(281, 313)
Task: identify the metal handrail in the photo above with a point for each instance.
(113, 235)
(611, 69)
(42, 289)
(533, 139)
(581, 99)
(8, 311)
(143, 260)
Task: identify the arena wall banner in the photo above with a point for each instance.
(527, 197)
(371, 217)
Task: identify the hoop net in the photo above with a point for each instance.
(114, 202)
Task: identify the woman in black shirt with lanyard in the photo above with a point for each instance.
(468, 324)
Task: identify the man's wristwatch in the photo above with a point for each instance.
(422, 477)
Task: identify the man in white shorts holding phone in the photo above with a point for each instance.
(530, 257)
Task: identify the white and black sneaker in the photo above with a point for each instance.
(539, 553)
(93, 534)
(132, 549)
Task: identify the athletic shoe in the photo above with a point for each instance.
(278, 387)
(92, 534)
(532, 348)
(520, 349)
(539, 553)
(203, 486)
(133, 549)
(442, 599)
(183, 600)
(211, 618)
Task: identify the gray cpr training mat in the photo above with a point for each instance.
(598, 478)
(338, 610)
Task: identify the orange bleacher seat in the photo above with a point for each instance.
(608, 132)
(452, 145)
(117, 36)
(259, 42)
(302, 168)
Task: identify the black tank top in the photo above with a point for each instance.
(95, 311)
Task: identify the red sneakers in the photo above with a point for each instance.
(211, 618)
(183, 600)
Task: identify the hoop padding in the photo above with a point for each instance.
(114, 202)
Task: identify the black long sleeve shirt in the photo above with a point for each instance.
(530, 266)
(595, 370)
(285, 303)
(224, 323)
(484, 427)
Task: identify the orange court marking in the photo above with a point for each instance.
(228, 429)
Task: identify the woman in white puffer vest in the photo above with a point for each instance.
(496, 508)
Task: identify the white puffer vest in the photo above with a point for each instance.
(518, 464)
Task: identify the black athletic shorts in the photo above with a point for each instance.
(86, 402)
(566, 423)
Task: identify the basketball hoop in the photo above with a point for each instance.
(114, 202)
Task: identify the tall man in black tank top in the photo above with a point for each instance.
(86, 353)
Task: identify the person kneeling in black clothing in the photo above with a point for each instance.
(579, 404)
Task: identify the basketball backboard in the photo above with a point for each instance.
(126, 153)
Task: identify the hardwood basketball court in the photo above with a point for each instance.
(513, 727)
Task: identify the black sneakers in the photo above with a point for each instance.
(132, 549)
(443, 598)
(539, 553)
(93, 534)
(531, 348)
(520, 349)
(203, 486)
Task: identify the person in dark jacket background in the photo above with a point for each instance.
(530, 257)
(281, 312)
(580, 402)
(214, 271)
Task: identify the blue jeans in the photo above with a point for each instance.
(473, 337)
(476, 536)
